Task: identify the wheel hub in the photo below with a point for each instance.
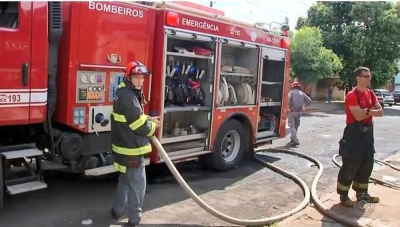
(230, 146)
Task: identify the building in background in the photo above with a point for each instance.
(397, 82)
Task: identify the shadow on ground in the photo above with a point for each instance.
(345, 213)
(170, 225)
(69, 199)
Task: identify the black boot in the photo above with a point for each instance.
(366, 197)
(115, 215)
(346, 201)
(131, 224)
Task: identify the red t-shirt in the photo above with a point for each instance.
(366, 99)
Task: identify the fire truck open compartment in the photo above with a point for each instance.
(238, 74)
(273, 75)
(189, 78)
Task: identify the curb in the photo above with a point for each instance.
(304, 211)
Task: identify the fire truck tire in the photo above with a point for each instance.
(228, 146)
(71, 146)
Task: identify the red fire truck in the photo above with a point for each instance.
(219, 85)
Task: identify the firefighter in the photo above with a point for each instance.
(297, 102)
(130, 133)
(357, 144)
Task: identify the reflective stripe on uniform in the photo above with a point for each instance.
(134, 125)
(153, 129)
(121, 85)
(342, 187)
(119, 167)
(132, 151)
(360, 185)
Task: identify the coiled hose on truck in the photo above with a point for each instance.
(265, 221)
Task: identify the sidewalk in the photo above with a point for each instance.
(384, 214)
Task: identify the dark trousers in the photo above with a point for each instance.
(357, 151)
(356, 172)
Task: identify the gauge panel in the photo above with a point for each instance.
(79, 116)
(90, 87)
(115, 79)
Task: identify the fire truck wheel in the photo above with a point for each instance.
(71, 146)
(228, 146)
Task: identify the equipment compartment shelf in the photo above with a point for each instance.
(171, 109)
(189, 73)
(235, 74)
(270, 100)
(270, 83)
(184, 148)
(170, 53)
(265, 134)
(174, 139)
(270, 104)
(238, 76)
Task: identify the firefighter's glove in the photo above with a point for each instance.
(156, 120)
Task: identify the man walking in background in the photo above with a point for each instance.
(298, 100)
(330, 92)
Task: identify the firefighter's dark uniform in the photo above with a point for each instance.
(357, 150)
(130, 134)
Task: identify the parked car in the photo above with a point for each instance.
(380, 98)
(396, 95)
(385, 95)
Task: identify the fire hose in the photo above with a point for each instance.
(265, 221)
(374, 178)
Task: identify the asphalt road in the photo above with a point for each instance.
(249, 191)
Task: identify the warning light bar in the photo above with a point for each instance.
(172, 19)
(285, 43)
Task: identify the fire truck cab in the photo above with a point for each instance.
(219, 85)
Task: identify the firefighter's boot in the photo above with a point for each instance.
(114, 214)
(131, 224)
(346, 201)
(366, 197)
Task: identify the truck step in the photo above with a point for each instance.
(25, 187)
(22, 153)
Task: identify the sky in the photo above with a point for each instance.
(267, 11)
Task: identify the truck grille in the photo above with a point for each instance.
(55, 15)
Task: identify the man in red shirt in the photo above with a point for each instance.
(357, 144)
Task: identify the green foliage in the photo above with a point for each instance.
(285, 25)
(310, 61)
(301, 22)
(361, 34)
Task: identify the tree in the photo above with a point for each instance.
(301, 22)
(362, 34)
(285, 25)
(311, 61)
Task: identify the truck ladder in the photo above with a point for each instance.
(17, 182)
